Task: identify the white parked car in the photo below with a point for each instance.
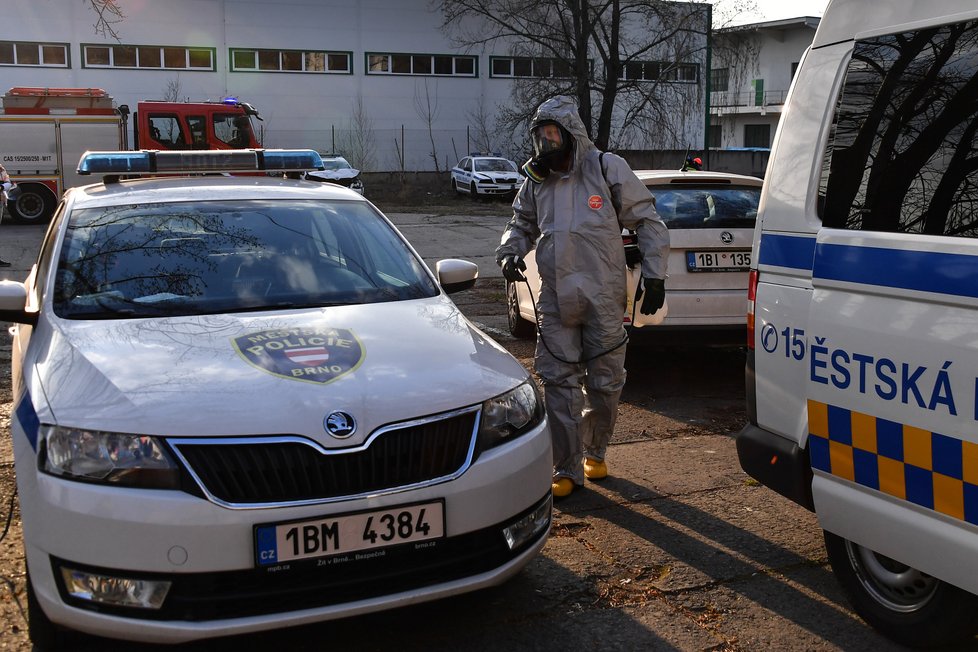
(711, 218)
(245, 403)
(486, 175)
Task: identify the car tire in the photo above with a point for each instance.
(473, 192)
(44, 634)
(518, 327)
(901, 602)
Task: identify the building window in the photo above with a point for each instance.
(20, 53)
(443, 65)
(901, 156)
(660, 71)
(252, 60)
(148, 57)
(720, 79)
(539, 67)
(794, 69)
(757, 135)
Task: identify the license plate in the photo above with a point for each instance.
(718, 261)
(348, 533)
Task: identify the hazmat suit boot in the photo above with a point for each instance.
(595, 469)
(562, 487)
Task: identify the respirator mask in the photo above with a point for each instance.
(551, 142)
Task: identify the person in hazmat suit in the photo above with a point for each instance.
(572, 208)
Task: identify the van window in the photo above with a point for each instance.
(902, 154)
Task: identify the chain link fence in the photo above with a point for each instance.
(392, 150)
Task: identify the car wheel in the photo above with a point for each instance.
(518, 327)
(473, 191)
(901, 602)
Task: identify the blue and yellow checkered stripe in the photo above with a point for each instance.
(925, 468)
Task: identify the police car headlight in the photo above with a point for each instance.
(108, 458)
(510, 415)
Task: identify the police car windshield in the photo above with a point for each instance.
(706, 207)
(193, 258)
(494, 165)
(337, 163)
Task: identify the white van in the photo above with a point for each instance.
(862, 375)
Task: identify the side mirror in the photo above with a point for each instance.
(456, 275)
(13, 303)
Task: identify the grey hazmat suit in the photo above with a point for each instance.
(574, 220)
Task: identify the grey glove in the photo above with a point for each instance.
(513, 267)
(653, 294)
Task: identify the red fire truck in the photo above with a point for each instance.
(44, 131)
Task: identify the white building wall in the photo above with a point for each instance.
(299, 109)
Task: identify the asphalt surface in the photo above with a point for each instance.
(677, 550)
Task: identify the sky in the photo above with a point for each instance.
(778, 9)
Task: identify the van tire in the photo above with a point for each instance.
(518, 327)
(900, 602)
(34, 205)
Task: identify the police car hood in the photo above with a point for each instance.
(272, 373)
(329, 175)
(498, 175)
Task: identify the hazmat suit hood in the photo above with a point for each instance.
(563, 110)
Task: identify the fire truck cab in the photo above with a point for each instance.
(194, 125)
(44, 132)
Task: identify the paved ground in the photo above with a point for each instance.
(679, 550)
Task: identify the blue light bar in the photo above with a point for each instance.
(113, 163)
(199, 161)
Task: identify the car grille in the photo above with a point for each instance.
(288, 469)
(202, 597)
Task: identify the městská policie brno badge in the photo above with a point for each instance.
(313, 354)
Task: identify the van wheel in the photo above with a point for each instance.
(901, 602)
(44, 634)
(518, 327)
(34, 205)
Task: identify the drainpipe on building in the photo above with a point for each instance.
(707, 85)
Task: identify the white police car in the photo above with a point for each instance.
(479, 175)
(243, 403)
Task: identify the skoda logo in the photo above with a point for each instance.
(726, 237)
(340, 424)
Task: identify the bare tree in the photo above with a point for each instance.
(426, 106)
(358, 143)
(173, 91)
(637, 62)
(481, 120)
(108, 14)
